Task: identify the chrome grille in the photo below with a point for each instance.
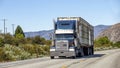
(62, 45)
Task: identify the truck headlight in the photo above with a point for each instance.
(52, 49)
(71, 49)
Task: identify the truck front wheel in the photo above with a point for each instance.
(52, 57)
(73, 57)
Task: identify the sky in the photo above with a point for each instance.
(36, 15)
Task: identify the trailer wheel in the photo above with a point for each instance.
(52, 57)
(73, 57)
(85, 50)
(92, 50)
(82, 52)
(79, 54)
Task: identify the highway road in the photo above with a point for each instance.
(101, 59)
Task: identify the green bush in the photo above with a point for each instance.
(8, 39)
(23, 51)
(20, 48)
(48, 42)
(1, 42)
(38, 40)
(29, 40)
(28, 48)
(46, 49)
(2, 55)
(117, 44)
(102, 42)
(35, 50)
(15, 53)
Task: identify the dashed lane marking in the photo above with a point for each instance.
(64, 66)
(82, 60)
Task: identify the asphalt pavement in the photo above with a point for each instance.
(101, 59)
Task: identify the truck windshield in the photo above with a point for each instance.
(66, 24)
(64, 36)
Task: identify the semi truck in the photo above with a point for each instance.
(72, 37)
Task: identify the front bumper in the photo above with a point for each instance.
(62, 53)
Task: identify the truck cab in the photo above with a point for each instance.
(65, 38)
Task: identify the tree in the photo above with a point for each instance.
(102, 41)
(19, 32)
(38, 40)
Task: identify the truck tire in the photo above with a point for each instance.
(85, 49)
(73, 57)
(52, 57)
(92, 50)
(82, 52)
(62, 56)
(79, 54)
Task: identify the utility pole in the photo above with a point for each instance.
(13, 28)
(0, 31)
(6, 30)
(4, 20)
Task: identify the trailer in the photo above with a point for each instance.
(72, 37)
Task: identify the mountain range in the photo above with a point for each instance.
(99, 28)
(113, 33)
(44, 33)
(47, 33)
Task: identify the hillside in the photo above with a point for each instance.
(46, 33)
(99, 28)
(113, 33)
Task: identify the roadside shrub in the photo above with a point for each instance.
(20, 48)
(29, 40)
(15, 53)
(102, 42)
(23, 51)
(22, 41)
(28, 48)
(34, 50)
(39, 50)
(48, 42)
(9, 39)
(2, 55)
(117, 44)
(1, 42)
(38, 40)
(46, 49)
